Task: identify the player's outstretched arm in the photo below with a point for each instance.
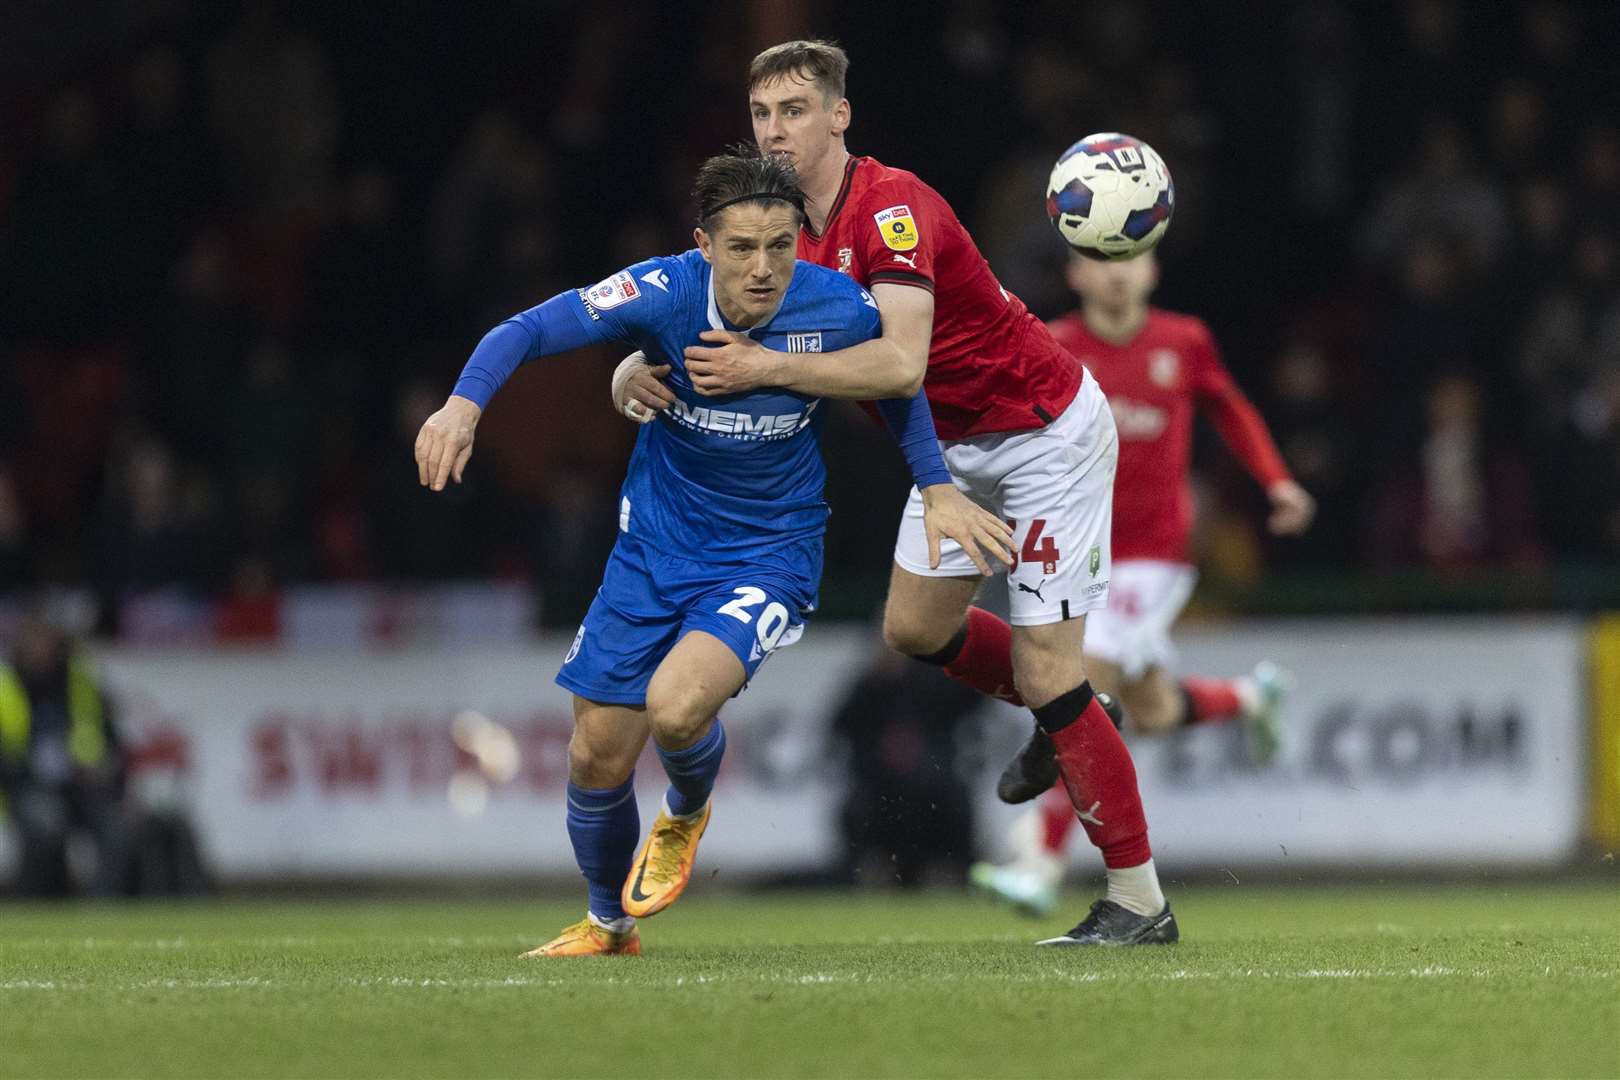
(891, 366)
(567, 321)
(1244, 431)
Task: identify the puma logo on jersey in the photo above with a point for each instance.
(911, 262)
(1090, 816)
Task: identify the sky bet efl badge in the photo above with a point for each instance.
(610, 293)
(897, 228)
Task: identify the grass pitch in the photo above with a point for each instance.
(1356, 981)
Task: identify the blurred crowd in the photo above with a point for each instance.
(246, 248)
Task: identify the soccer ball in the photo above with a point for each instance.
(1110, 196)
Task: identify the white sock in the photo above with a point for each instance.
(1136, 889)
(623, 924)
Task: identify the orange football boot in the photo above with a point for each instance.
(585, 938)
(663, 866)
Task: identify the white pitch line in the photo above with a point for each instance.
(819, 978)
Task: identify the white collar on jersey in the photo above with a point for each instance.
(717, 323)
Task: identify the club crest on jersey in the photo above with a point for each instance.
(605, 295)
(804, 342)
(846, 259)
(1163, 366)
(896, 227)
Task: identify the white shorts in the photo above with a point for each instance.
(1144, 601)
(1056, 485)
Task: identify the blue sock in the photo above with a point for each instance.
(692, 771)
(604, 827)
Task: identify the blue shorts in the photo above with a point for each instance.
(648, 601)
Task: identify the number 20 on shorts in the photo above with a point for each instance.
(772, 621)
(1037, 548)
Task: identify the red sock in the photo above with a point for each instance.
(985, 659)
(1057, 820)
(1211, 701)
(1099, 777)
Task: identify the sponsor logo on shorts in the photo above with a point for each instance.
(1094, 561)
(1097, 589)
(897, 228)
(573, 650)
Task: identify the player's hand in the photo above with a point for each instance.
(952, 515)
(638, 390)
(732, 363)
(446, 442)
(1292, 508)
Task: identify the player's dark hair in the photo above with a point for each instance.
(743, 174)
(820, 62)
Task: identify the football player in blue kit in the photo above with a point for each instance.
(721, 521)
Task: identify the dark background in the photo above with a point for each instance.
(245, 248)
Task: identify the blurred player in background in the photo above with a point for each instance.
(1027, 433)
(1158, 368)
(720, 524)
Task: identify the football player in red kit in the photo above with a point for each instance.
(1158, 368)
(1025, 432)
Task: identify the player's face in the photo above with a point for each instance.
(794, 119)
(752, 249)
(1116, 285)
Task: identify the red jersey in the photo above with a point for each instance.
(1153, 384)
(992, 366)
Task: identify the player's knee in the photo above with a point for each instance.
(599, 763)
(678, 717)
(913, 637)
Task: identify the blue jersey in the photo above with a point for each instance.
(740, 473)
(723, 476)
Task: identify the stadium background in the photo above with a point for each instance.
(246, 248)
